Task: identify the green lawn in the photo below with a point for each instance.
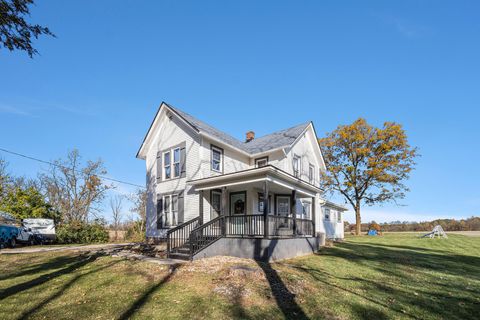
(391, 277)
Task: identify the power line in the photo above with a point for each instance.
(63, 167)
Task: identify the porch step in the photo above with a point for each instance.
(180, 256)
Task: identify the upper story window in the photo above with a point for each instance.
(261, 162)
(217, 159)
(171, 169)
(171, 163)
(296, 165)
(167, 169)
(339, 217)
(176, 162)
(327, 214)
(311, 173)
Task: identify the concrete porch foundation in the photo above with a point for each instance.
(261, 249)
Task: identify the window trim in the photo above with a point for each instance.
(299, 169)
(176, 163)
(276, 204)
(212, 148)
(257, 160)
(309, 204)
(217, 191)
(339, 217)
(230, 202)
(172, 163)
(164, 153)
(167, 223)
(260, 195)
(325, 214)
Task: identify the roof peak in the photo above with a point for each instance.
(274, 140)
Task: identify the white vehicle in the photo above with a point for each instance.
(26, 236)
(43, 227)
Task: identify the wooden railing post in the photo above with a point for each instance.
(168, 244)
(265, 209)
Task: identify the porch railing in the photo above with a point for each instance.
(305, 227)
(206, 234)
(195, 237)
(248, 225)
(179, 236)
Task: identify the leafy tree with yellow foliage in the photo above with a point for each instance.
(367, 164)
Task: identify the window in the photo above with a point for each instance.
(217, 155)
(296, 166)
(176, 162)
(170, 164)
(327, 214)
(216, 203)
(339, 217)
(311, 174)
(283, 205)
(174, 212)
(169, 216)
(166, 210)
(237, 202)
(166, 165)
(261, 203)
(306, 206)
(261, 162)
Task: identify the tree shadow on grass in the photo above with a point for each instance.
(140, 302)
(326, 278)
(453, 264)
(284, 298)
(53, 263)
(78, 262)
(449, 299)
(62, 290)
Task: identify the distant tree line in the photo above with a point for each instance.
(470, 224)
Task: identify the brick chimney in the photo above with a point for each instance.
(250, 136)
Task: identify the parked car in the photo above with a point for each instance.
(8, 231)
(8, 235)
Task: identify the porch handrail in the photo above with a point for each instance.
(207, 233)
(180, 235)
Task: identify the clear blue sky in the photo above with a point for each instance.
(246, 65)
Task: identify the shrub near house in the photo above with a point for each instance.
(78, 232)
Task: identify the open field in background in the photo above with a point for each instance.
(419, 233)
(395, 276)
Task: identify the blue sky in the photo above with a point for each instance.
(246, 65)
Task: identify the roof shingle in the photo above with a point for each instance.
(282, 138)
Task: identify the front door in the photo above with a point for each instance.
(283, 206)
(238, 208)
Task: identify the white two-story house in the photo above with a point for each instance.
(212, 194)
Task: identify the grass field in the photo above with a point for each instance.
(391, 277)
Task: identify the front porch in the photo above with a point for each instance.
(262, 203)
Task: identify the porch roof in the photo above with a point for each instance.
(267, 173)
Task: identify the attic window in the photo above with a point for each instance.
(261, 162)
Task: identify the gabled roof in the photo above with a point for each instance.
(276, 140)
(282, 138)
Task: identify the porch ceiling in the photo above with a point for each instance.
(280, 179)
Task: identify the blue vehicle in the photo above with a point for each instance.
(8, 232)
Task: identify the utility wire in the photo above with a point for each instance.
(63, 167)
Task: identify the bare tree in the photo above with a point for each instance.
(116, 206)
(139, 200)
(74, 189)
